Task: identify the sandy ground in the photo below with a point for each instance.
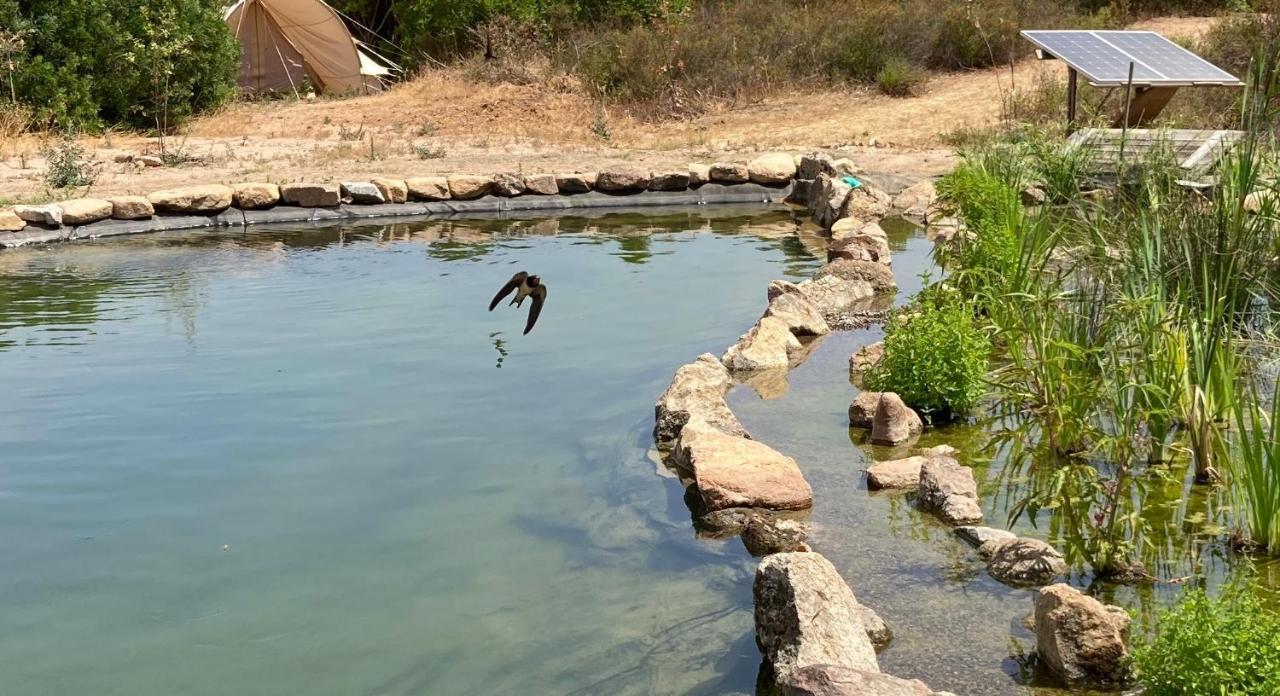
(444, 123)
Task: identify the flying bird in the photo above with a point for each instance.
(524, 285)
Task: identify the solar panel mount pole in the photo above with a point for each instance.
(1071, 100)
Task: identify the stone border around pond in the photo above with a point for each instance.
(705, 194)
(810, 628)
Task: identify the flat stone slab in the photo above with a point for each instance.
(731, 471)
(977, 536)
(898, 473)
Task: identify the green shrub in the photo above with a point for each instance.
(68, 166)
(898, 78)
(94, 62)
(1204, 646)
(935, 356)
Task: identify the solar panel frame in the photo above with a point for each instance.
(1103, 58)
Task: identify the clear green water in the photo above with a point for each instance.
(283, 462)
(311, 462)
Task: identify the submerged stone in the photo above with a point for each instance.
(1023, 562)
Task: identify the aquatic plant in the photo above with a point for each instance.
(935, 356)
(1229, 645)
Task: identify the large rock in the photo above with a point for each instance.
(393, 190)
(894, 422)
(508, 185)
(308, 195)
(812, 165)
(847, 227)
(429, 188)
(49, 214)
(1082, 640)
(895, 474)
(696, 393)
(866, 357)
(778, 288)
(624, 180)
(947, 489)
(916, 200)
(10, 222)
(768, 344)
(861, 246)
(465, 187)
(827, 197)
(731, 471)
(877, 274)
(541, 184)
(800, 315)
(833, 680)
(806, 616)
(867, 203)
(197, 200)
(1023, 562)
(979, 536)
(730, 173)
(361, 193)
(131, 208)
(769, 534)
(574, 183)
(255, 196)
(862, 412)
(699, 174)
(774, 168)
(833, 295)
(82, 211)
(669, 181)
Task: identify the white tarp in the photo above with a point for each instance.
(288, 43)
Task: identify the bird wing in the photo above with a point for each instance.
(516, 281)
(539, 296)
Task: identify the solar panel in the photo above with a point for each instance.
(1103, 58)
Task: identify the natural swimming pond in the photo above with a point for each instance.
(285, 461)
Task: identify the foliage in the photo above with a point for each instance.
(732, 51)
(898, 78)
(94, 62)
(68, 166)
(1229, 645)
(935, 357)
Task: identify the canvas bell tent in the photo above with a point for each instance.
(289, 44)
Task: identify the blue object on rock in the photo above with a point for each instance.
(852, 182)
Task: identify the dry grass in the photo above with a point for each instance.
(547, 125)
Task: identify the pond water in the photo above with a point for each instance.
(309, 461)
(284, 462)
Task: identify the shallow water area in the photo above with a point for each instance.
(288, 461)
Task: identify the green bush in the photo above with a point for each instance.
(898, 78)
(935, 356)
(1204, 646)
(69, 166)
(89, 63)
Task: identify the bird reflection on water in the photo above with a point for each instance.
(499, 345)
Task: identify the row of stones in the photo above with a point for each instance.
(772, 169)
(810, 628)
(1079, 639)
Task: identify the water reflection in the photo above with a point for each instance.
(73, 287)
